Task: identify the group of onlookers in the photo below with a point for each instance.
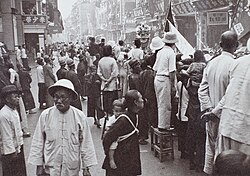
(205, 102)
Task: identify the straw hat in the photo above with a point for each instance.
(169, 37)
(63, 83)
(156, 43)
(62, 61)
(70, 62)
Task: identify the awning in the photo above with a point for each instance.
(203, 5)
(183, 8)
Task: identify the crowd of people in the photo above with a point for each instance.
(203, 101)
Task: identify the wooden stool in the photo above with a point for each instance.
(151, 131)
(162, 143)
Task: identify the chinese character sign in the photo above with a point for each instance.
(34, 19)
(217, 18)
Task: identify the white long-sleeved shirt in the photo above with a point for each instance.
(11, 135)
(56, 142)
(215, 80)
(233, 108)
(40, 74)
(107, 68)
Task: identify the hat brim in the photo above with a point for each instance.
(169, 41)
(52, 89)
(62, 63)
(156, 48)
(248, 44)
(4, 94)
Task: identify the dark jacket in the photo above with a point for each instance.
(82, 70)
(49, 77)
(25, 79)
(93, 83)
(127, 153)
(72, 76)
(134, 81)
(61, 73)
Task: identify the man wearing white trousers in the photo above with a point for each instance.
(165, 67)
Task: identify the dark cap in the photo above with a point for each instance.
(6, 90)
(134, 62)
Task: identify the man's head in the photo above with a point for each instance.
(63, 93)
(10, 95)
(103, 40)
(229, 41)
(135, 66)
(121, 42)
(137, 43)
(39, 61)
(170, 39)
(47, 59)
(70, 63)
(107, 50)
(62, 62)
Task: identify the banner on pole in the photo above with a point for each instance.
(182, 44)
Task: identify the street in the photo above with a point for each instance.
(150, 164)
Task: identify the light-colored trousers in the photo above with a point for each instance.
(163, 96)
(211, 136)
(24, 123)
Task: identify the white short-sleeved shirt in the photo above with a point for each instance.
(165, 61)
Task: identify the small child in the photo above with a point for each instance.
(118, 108)
(93, 86)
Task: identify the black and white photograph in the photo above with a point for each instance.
(124, 87)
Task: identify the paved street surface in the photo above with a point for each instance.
(151, 165)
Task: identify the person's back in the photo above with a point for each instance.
(237, 104)
(212, 88)
(49, 78)
(217, 72)
(106, 67)
(61, 73)
(195, 72)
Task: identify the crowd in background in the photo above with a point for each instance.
(202, 97)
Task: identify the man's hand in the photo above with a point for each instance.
(86, 172)
(112, 164)
(39, 170)
(209, 116)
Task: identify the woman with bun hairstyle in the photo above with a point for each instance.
(125, 132)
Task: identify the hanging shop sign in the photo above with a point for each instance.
(202, 5)
(217, 18)
(34, 19)
(183, 8)
(138, 12)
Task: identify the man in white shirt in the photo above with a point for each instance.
(41, 84)
(137, 52)
(19, 55)
(62, 139)
(11, 135)
(212, 88)
(25, 58)
(108, 72)
(165, 89)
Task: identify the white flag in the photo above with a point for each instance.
(182, 44)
